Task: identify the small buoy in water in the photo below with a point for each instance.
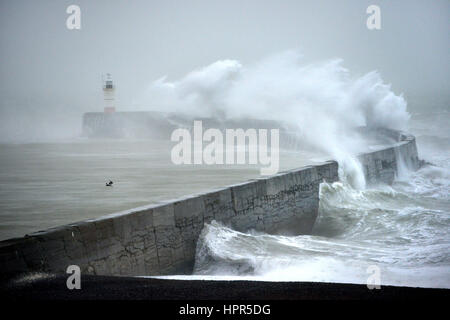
(109, 184)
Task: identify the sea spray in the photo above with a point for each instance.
(401, 229)
(320, 101)
(351, 172)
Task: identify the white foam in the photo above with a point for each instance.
(321, 100)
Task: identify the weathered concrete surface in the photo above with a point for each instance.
(161, 239)
(383, 165)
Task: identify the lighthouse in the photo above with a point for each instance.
(108, 93)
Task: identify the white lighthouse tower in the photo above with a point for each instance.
(108, 93)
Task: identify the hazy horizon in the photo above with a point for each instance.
(50, 75)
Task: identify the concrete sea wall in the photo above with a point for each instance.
(161, 239)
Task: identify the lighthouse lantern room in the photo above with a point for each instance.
(108, 93)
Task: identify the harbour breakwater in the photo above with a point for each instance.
(153, 124)
(161, 239)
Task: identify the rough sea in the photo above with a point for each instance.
(402, 230)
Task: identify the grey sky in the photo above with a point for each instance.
(47, 68)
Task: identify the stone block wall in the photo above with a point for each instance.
(383, 165)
